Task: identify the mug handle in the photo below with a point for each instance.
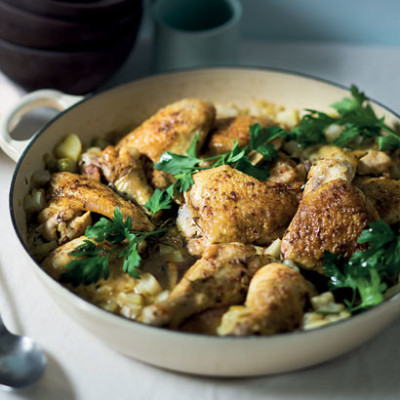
(39, 98)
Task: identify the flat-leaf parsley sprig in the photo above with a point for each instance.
(183, 167)
(355, 116)
(93, 260)
(367, 272)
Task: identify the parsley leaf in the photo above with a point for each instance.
(92, 261)
(310, 129)
(367, 272)
(90, 271)
(358, 120)
(183, 167)
(160, 200)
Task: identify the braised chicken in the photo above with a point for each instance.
(123, 169)
(220, 278)
(225, 205)
(172, 129)
(220, 251)
(384, 194)
(228, 130)
(71, 195)
(275, 303)
(331, 215)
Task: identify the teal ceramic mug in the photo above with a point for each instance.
(191, 33)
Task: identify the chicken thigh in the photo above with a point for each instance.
(331, 215)
(220, 278)
(225, 205)
(275, 303)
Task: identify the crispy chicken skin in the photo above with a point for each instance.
(172, 129)
(384, 194)
(275, 303)
(220, 278)
(331, 215)
(227, 205)
(227, 130)
(330, 151)
(74, 192)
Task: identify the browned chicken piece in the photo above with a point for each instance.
(71, 193)
(384, 194)
(331, 151)
(227, 130)
(123, 169)
(374, 163)
(331, 216)
(225, 205)
(275, 303)
(61, 222)
(285, 170)
(120, 293)
(172, 128)
(220, 278)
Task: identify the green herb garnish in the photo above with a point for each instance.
(92, 261)
(357, 118)
(367, 272)
(183, 167)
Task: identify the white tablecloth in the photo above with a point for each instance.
(81, 367)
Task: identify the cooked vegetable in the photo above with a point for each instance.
(70, 147)
(92, 261)
(368, 272)
(40, 177)
(66, 165)
(34, 202)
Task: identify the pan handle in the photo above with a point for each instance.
(39, 98)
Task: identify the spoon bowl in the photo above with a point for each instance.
(22, 361)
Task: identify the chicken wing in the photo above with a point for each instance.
(384, 194)
(227, 130)
(69, 194)
(172, 128)
(275, 303)
(225, 205)
(331, 215)
(220, 278)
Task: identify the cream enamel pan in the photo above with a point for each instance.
(125, 106)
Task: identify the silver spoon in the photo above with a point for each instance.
(22, 361)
